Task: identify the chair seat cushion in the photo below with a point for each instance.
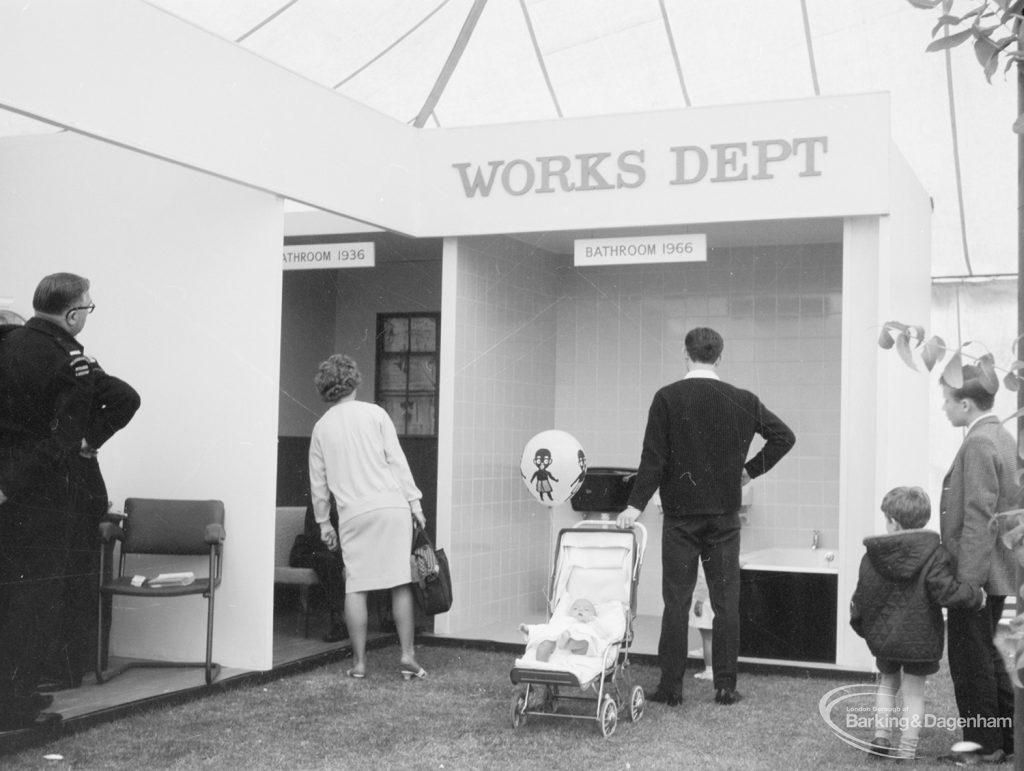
(124, 586)
(302, 576)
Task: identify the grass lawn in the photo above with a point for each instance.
(459, 718)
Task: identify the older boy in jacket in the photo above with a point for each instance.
(905, 578)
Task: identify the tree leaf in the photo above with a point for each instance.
(987, 373)
(987, 54)
(932, 352)
(926, 4)
(953, 374)
(1012, 379)
(885, 337)
(942, 22)
(975, 12)
(903, 349)
(950, 41)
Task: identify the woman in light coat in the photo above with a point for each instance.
(355, 456)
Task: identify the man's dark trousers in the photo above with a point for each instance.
(983, 688)
(714, 539)
(33, 557)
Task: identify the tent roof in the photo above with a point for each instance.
(542, 59)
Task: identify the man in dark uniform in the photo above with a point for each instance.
(113, 406)
(48, 398)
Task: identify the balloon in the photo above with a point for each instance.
(553, 466)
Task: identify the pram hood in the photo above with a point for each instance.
(599, 563)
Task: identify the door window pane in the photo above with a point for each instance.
(395, 334)
(423, 334)
(423, 373)
(407, 370)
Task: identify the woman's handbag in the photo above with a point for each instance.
(432, 581)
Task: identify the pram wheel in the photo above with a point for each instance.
(518, 708)
(636, 703)
(608, 716)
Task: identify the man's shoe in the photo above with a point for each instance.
(881, 746)
(337, 634)
(975, 758)
(727, 696)
(666, 698)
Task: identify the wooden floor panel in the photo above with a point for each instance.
(141, 686)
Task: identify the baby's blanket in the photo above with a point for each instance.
(607, 628)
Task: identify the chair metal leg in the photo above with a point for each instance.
(211, 667)
(99, 641)
(304, 604)
(212, 670)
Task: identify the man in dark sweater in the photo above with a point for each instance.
(699, 431)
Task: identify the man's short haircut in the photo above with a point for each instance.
(973, 389)
(704, 345)
(59, 292)
(909, 506)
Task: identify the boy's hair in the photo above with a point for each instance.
(910, 507)
(973, 388)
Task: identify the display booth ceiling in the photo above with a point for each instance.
(528, 60)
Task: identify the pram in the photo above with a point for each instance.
(600, 562)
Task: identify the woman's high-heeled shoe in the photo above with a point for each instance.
(408, 673)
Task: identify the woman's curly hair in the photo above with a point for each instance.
(337, 378)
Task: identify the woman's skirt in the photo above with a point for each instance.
(376, 546)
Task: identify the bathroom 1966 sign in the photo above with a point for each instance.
(313, 256)
(692, 247)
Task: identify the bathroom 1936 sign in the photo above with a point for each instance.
(314, 256)
(692, 247)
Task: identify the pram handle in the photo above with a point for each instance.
(600, 524)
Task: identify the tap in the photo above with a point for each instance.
(815, 535)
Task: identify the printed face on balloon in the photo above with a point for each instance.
(553, 467)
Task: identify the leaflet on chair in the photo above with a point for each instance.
(173, 579)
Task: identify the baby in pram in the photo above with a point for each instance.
(580, 632)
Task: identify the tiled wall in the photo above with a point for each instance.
(621, 332)
(541, 344)
(505, 351)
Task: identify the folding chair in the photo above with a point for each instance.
(170, 528)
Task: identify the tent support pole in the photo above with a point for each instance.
(449, 66)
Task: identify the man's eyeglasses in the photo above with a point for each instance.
(87, 308)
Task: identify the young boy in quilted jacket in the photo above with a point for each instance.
(905, 578)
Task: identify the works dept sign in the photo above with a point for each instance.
(758, 159)
(826, 157)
